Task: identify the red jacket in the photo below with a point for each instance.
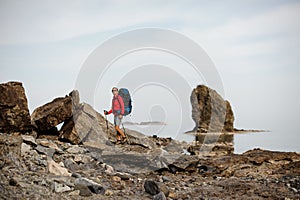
(117, 107)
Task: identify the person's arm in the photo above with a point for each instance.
(121, 105)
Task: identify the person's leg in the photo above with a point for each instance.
(117, 126)
(117, 132)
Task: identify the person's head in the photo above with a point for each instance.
(115, 90)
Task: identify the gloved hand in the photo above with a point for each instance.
(105, 112)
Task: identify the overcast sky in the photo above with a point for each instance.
(255, 46)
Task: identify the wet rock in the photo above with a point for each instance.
(210, 111)
(57, 169)
(14, 113)
(213, 150)
(51, 114)
(151, 187)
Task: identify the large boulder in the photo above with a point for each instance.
(14, 113)
(89, 127)
(84, 127)
(45, 118)
(210, 111)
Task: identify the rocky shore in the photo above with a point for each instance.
(50, 169)
(80, 160)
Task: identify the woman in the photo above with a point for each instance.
(117, 109)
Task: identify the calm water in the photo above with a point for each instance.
(276, 140)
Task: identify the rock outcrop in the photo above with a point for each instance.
(14, 113)
(45, 117)
(210, 111)
(84, 126)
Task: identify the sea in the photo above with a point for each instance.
(284, 140)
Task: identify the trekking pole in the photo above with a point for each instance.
(125, 133)
(106, 120)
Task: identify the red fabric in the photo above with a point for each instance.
(117, 104)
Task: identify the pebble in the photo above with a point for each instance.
(59, 188)
(166, 179)
(294, 189)
(74, 193)
(13, 182)
(109, 193)
(151, 187)
(116, 178)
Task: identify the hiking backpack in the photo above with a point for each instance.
(124, 93)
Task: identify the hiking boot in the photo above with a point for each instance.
(124, 139)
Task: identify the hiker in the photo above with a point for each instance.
(117, 109)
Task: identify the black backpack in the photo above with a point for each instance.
(124, 93)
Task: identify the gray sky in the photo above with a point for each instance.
(254, 45)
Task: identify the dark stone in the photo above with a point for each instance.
(13, 182)
(51, 114)
(210, 111)
(173, 168)
(76, 175)
(14, 113)
(97, 189)
(202, 168)
(151, 187)
(84, 190)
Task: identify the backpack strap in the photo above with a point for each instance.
(120, 104)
